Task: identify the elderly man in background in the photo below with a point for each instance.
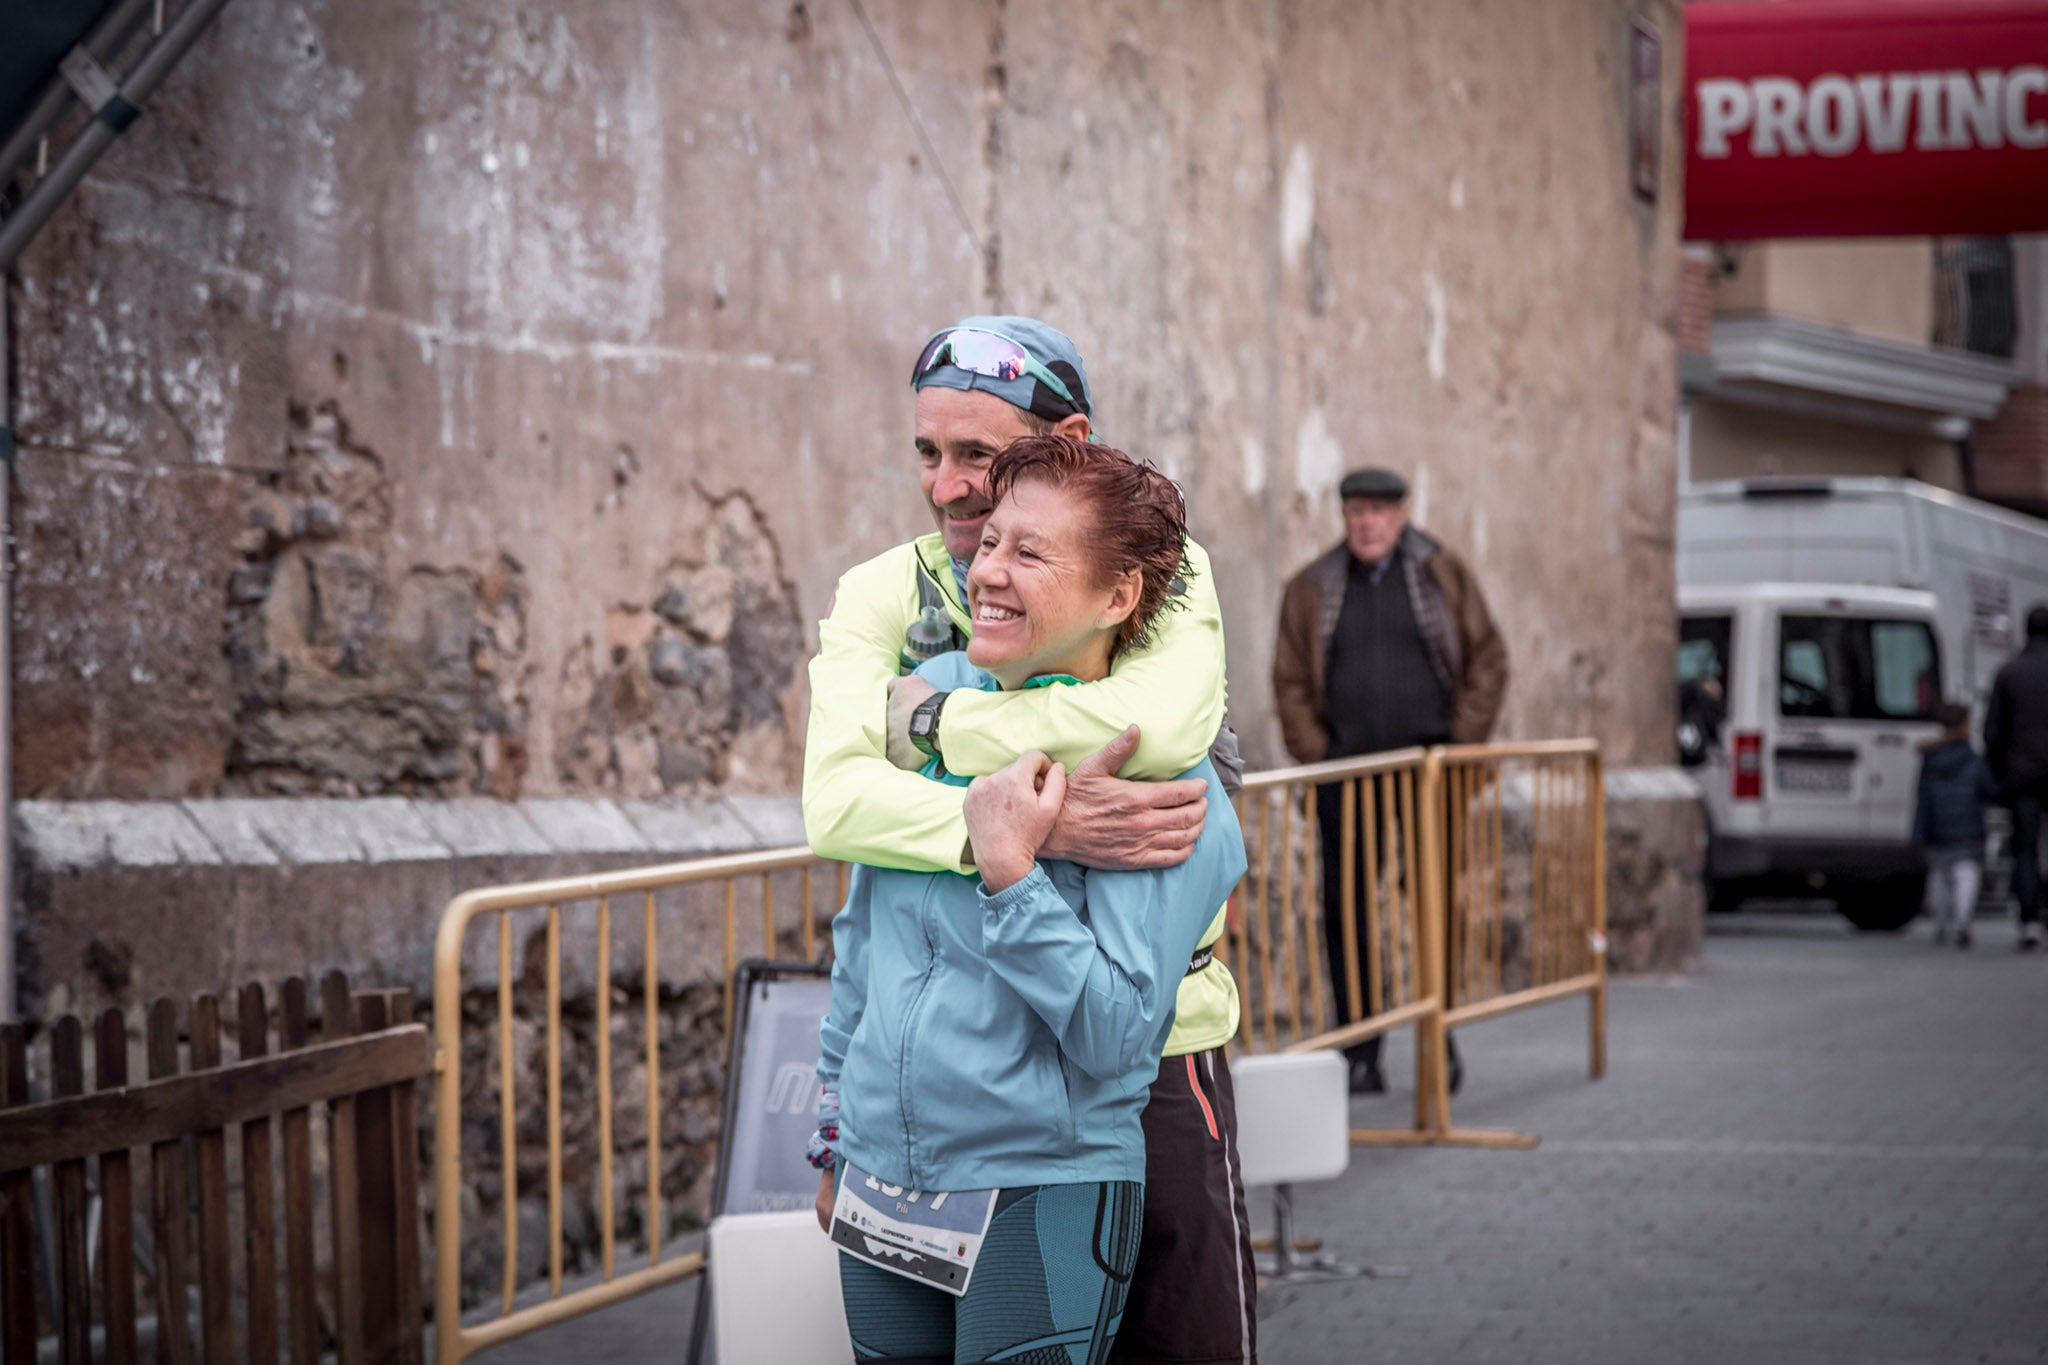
(1385, 642)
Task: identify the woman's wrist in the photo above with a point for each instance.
(823, 1149)
(1003, 867)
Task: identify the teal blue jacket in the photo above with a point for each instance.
(979, 1041)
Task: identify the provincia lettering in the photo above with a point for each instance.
(1836, 115)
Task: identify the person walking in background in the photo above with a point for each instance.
(1948, 822)
(2016, 743)
(1385, 642)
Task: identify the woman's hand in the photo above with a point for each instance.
(827, 1197)
(1009, 814)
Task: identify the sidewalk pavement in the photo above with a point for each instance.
(1823, 1147)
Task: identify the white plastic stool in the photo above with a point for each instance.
(1294, 1124)
(775, 1290)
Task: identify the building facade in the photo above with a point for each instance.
(431, 401)
(1899, 357)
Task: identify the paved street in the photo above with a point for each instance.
(1823, 1147)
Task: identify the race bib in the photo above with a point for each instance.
(930, 1237)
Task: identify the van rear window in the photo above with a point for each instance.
(1857, 668)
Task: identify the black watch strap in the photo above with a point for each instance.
(924, 725)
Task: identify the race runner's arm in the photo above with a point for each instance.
(849, 978)
(858, 806)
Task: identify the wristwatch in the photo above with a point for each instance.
(924, 725)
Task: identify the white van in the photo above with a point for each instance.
(1839, 614)
(1985, 565)
(1803, 708)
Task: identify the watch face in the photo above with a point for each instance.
(924, 723)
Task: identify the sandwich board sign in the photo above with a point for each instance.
(771, 1104)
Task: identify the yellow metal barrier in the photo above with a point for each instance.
(1525, 873)
(1379, 794)
(1379, 798)
(1391, 831)
(587, 898)
(1468, 912)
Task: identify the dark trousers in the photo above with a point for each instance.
(1194, 1296)
(1330, 838)
(2026, 851)
(1330, 841)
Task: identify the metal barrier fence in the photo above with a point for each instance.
(1375, 972)
(1525, 868)
(591, 898)
(1473, 877)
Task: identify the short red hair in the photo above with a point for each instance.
(1140, 519)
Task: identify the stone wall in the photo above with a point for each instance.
(1656, 865)
(432, 398)
(123, 901)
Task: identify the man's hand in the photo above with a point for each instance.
(1009, 813)
(1118, 826)
(824, 1202)
(904, 695)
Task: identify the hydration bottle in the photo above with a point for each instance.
(929, 636)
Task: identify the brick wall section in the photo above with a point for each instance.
(1696, 305)
(2010, 452)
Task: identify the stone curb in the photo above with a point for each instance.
(79, 836)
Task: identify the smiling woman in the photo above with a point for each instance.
(1084, 549)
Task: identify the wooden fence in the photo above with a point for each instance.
(75, 1277)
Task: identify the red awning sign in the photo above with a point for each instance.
(1866, 118)
(1832, 116)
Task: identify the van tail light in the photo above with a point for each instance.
(1749, 767)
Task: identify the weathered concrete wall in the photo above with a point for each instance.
(437, 398)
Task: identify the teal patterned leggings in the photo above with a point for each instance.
(1048, 1288)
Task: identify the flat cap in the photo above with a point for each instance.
(1373, 483)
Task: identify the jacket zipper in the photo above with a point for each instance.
(910, 1023)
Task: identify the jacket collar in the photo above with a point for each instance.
(1417, 544)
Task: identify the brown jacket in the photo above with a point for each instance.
(1464, 645)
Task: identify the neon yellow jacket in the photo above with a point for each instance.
(861, 808)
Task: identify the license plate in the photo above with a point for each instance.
(1826, 779)
(931, 1237)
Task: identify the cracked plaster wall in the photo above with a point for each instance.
(438, 398)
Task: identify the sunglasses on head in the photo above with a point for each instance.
(992, 355)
